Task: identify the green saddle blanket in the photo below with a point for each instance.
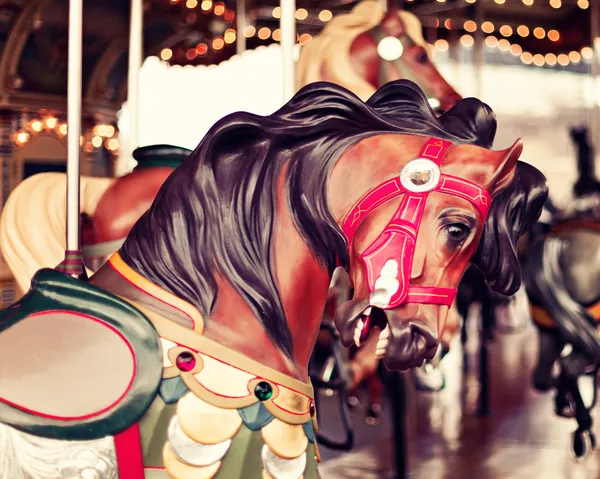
(76, 362)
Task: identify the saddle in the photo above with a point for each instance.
(77, 362)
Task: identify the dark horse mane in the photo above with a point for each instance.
(215, 213)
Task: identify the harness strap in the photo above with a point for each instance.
(389, 258)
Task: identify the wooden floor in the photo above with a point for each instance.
(521, 439)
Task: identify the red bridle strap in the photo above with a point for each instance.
(389, 258)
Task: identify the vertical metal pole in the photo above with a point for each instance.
(241, 25)
(136, 54)
(74, 123)
(479, 50)
(595, 69)
(287, 24)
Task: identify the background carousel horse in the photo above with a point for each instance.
(33, 219)
(562, 277)
(241, 242)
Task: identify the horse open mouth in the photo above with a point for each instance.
(402, 344)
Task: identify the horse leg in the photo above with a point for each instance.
(572, 367)
(550, 347)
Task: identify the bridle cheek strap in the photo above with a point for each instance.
(388, 260)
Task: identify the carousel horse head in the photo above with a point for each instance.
(368, 47)
(268, 207)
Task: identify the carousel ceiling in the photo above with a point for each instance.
(34, 33)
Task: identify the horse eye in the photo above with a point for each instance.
(422, 58)
(457, 232)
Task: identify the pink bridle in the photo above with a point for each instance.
(398, 239)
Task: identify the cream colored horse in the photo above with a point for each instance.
(32, 227)
(328, 55)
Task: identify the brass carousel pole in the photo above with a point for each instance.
(287, 25)
(479, 50)
(240, 25)
(136, 54)
(595, 69)
(73, 262)
(240, 43)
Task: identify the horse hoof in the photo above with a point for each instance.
(583, 443)
(564, 407)
(373, 415)
(353, 402)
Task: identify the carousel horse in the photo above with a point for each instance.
(110, 207)
(349, 52)
(151, 356)
(562, 279)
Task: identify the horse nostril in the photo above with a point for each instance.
(410, 344)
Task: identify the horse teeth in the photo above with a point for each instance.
(359, 327)
(385, 334)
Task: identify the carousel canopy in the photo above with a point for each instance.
(34, 33)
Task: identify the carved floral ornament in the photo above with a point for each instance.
(102, 135)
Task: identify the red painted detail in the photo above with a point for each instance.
(398, 239)
(151, 295)
(97, 413)
(129, 453)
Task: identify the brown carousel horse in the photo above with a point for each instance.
(153, 354)
(110, 207)
(362, 50)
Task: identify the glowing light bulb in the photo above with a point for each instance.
(249, 31)
(553, 35)
(575, 57)
(325, 15)
(301, 14)
(191, 3)
(51, 122)
(555, 3)
(390, 49)
(527, 58)
(470, 26)
(62, 129)
(506, 31)
(538, 60)
(264, 33)
(563, 59)
(206, 5)
(441, 45)
(587, 53)
(550, 59)
(277, 12)
(166, 54)
(218, 43)
(539, 32)
(37, 125)
(491, 41)
(22, 137)
(487, 27)
(583, 4)
(97, 142)
(516, 50)
(467, 41)
(523, 30)
(305, 38)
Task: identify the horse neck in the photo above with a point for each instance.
(302, 284)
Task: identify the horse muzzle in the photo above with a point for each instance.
(404, 342)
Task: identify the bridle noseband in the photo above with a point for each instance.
(389, 258)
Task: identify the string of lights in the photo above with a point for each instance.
(102, 135)
(504, 44)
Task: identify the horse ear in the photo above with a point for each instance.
(505, 173)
